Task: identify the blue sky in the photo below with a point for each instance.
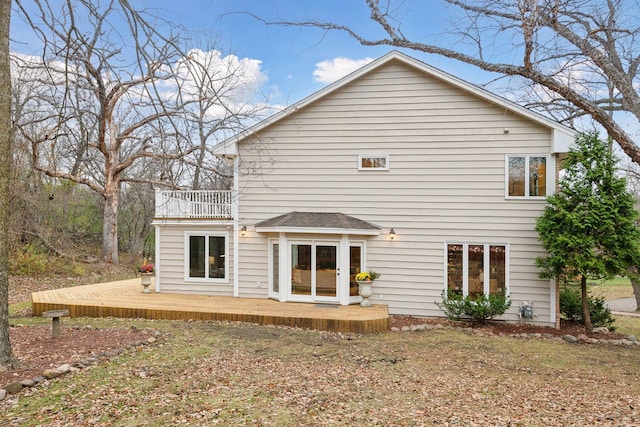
(291, 55)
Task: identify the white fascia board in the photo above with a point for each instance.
(318, 230)
(487, 95)
(311, 98)
(421, 66)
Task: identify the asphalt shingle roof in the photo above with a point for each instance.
(317, 220)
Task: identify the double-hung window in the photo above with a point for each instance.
(477, 269)
(526, 176)
(206, 256)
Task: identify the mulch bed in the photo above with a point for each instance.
(504, 328)
(36, 350)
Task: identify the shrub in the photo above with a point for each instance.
(478, 309)
(571, 305)
(28, 260)
(571, 308)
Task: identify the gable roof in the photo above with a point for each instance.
(563, 136)
(317, 222)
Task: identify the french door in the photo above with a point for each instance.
(315, 271)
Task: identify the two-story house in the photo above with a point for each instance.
(398, 167)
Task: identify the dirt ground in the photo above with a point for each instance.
(35, 349)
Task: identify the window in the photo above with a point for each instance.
(526, 176)
(373, 162)
(206, 256)
(476, 269)
(275, 267)
(355, 267)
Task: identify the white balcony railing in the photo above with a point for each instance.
(194, 203)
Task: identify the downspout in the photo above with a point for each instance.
(554, 306)
(235, 200)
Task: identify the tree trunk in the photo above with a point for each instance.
(635, 284)
(586, 316)
(110, 222)
(6, 356)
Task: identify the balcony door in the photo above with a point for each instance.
(314, 271)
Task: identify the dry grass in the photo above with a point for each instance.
(240, 374)
(620, 287)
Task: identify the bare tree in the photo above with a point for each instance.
(97, 117)
(218, 93)
(584, 53)
(6, 356)
(93, 118)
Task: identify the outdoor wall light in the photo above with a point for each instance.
(392, 234)
(243, 230)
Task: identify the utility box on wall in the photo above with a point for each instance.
(526, 310)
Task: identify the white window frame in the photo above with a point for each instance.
(271, 292)
(365, 156)
(187, 257)
(363, 264)
(486, 261)
(550, 181)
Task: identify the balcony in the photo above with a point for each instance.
(208, 204)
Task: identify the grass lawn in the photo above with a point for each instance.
(207, 373)
(620, 287)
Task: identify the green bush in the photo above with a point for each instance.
(571, 305)
(28, 260)
(478, 309)
(571, 308)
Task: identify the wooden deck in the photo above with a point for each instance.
(125, 299)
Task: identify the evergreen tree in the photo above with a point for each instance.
(589, 226)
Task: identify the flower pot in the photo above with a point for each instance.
(364, 290)
(145, 279)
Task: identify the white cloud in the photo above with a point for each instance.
(209, 73)
(332, 69)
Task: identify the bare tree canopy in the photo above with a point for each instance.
(112, 100)
(582, 55)
(89, 113)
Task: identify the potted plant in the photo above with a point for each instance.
(365, 279)
(146, 272)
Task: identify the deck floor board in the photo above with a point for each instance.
(125, 299)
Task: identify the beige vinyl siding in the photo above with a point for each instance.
(172, 261)
(446, 183)
(253, 266)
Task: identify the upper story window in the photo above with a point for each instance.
(373, 162)
(526, 176)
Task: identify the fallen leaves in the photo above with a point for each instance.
(36, 351)
(207, 373)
